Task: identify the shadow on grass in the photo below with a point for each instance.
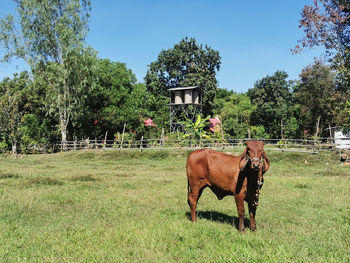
(8, 175)
(219, 217)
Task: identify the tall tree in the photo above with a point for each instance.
(275, 104)
(13, 105)
(327, 23)
(319, 100)
(50, 38)
(66, 100)
(187, 64)
(115, 98)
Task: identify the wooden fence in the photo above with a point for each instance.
(297, 145)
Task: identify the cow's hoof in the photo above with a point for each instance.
(252, 227)
(242, 230)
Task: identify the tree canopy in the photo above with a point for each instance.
(50, 37)
(114, 98)
(275, 104)
(327, 23)
(187, 64)
(235, 111)
(321, 104)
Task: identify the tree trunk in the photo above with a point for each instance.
(63, 126)
(330, 131)
(64, 111)
(282, 129)
(14, 146)
(317, 127)
(121, 143)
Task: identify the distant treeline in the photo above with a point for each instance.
(70, 93)
(274, 108)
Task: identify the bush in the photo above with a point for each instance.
(33, 133)
(3, 146)
(258, 132)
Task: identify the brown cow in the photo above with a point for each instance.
(228, 175)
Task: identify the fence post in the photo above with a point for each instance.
(141, 146)
(121, 143)
(87, 145)
(162, 138)
(105, 141)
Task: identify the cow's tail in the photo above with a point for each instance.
(188, 186)
(188, 182)
(188, 171)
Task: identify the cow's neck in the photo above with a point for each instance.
(255, 180)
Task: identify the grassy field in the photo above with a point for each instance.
(131, 206)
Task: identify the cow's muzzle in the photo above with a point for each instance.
(256, 165)
(256, 162)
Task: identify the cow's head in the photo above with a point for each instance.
(255, 155)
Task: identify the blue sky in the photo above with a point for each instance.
(254, 37)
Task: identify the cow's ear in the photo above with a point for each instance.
(266, 162)
(244, 160)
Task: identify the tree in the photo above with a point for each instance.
(187, 64)
(222, 96)
(275, 104)
(34, 132)
(113, 99)
(346, 128)
(320, 102)
(50, 39)
(327, 23)
(235, 111)
(13, 105)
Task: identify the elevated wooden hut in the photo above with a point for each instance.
(184, 101)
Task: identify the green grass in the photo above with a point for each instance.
(131, 206)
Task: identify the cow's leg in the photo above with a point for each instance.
(240, 210)
(193, 195)
(252, 210)
(192, 202)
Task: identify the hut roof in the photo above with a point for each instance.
(183, 88)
